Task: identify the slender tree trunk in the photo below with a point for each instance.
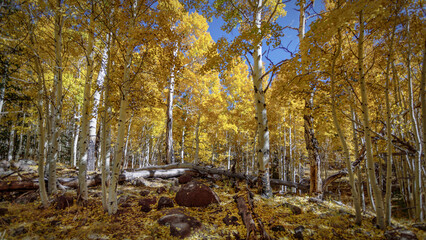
(119, 151)
(21, 139)
(74, 144)
(369, 151)
(11, 142)
(197, 139)
(310, 139)
(106, 126)
(41, 129)
(340, 133)
(182, 147)
(170, 157)
(388, 204)
(84, 137)
(91, 159)
(57, 98)
(423, 103)
(261, 115)
(126, 145)
(415, 127)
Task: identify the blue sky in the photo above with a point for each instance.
(290, 39)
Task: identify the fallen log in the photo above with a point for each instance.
(166, 171)
(333, 178)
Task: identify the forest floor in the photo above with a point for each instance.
(21, 216)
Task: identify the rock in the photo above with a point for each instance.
(278, 228)
(294, 209)
(19, 231)
(146, 203)
(161, 190)
(63, 202)
(421, 226)
(165, 202)
(3, 211)
(298, 232)
(314, 200)
(28, 162)
(180, 224)
(144, 193)
(230, 220)
(400, 234)
(195, 194)
(185, 178)
(4, 164)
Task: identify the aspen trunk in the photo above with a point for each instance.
(415, 128)
(310, 139)
(170, 157)
(105, 133)
(369, 151)
(84, 137)
(182, 147)
(119, 151)
(74, 144)
(91, 159)
(261, 115)
(41, 130)
(197, 139)
(423, 103)
(11, 143)
(57, 96)
(388, 204)
(340, 133)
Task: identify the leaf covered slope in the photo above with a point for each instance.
(282, 217)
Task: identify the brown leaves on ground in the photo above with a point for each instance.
(316, 220)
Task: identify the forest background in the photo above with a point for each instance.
(110, 85)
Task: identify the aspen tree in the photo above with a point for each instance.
(84, 137)
(369, 151)
(388, 205)
(355, 195)
(57, 96)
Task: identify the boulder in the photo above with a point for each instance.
(400, 234)
(146, 203)
(196, 194)
(4, 164)
(161, 190)
(184, 179)
(180, 224)
(165, 202)
(298, 232)
(230, 220)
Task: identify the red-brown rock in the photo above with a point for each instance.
(180, 224)
(165, 202)
(184, 179)
(146, 203)
(195, 194)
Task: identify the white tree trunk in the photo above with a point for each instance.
(388, 204)
(369, 151)
(11, 142)
(261, 116)
(197, 139)
(119, 151)
(355, 195)
(74, 144)
(105, 130)
(94, 119)
(423, 103)
(84, 136)
(57, 97)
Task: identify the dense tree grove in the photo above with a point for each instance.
(107, 85)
